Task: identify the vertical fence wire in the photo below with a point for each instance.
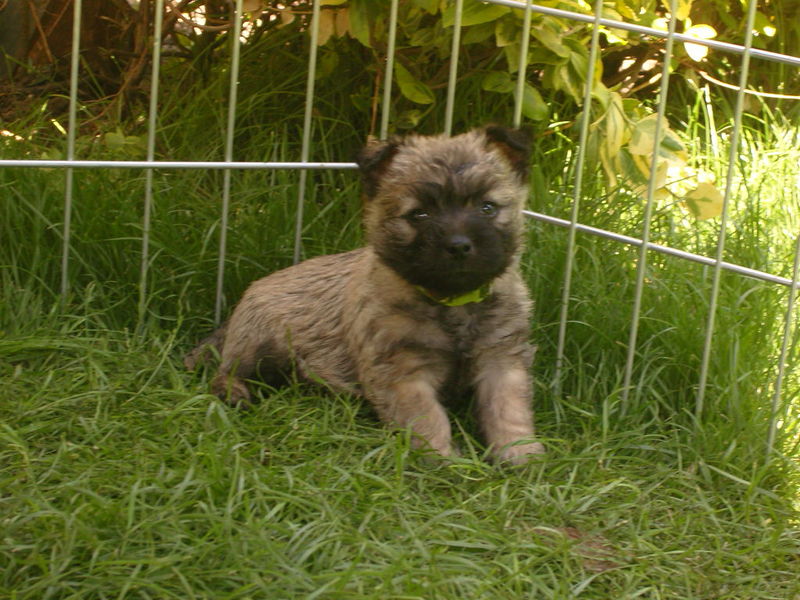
(524, 44)
(236, 45)
(305, 149)
(641, 267)
(387, 79)
(732, 154)
(151, 152)
(451, 80)
(787, 330)
(71, 135)
(576, 199)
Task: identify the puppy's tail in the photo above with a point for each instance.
(208, 348)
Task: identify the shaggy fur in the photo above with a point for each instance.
(443, 218)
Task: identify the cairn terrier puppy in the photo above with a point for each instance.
(432, 307)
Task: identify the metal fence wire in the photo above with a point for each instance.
(574, 227)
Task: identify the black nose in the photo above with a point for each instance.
(459, 246)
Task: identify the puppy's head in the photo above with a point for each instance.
(445, 212)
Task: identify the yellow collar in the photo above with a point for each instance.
(474, 296)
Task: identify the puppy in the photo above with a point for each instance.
(433, 305)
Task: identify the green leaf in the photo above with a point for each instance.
(533, 105)
(429, 6)
(579, 60)
(643, 138)
(325, 27)
(603, 95)
(704, 32)
(569, 76)
(328, 63)
(498, 81)
(550, 40)
(763, 25)
(114, 139)
(625, 10)
(411, 87)
(425, 36)
(672, 144)
(511, 52)
(608, 134)
(506, 32)
(542, 56)
(614, 126)
(474, 13)
(683, 9)
(359, 22)
(477, 34)
(361, 101)
(611, 168)
(628, 169)
(633, 108)
(563, 79)
(408, 119)
(251, 6)
(705, 201)
(118, 140)
(644, 164)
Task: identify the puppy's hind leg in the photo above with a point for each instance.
(207, 349)
(229, 385)
(249, 357)
(226, 385)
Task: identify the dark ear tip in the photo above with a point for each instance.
(514, 143)
(518, 138)
(373, 160)
(376, 152)
(368, 148)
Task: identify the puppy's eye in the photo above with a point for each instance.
(489, 209)
(418, 214)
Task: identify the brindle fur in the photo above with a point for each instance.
(359, 322)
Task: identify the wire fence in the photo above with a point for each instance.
(574, 227)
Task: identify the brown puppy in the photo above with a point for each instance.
(434, 304)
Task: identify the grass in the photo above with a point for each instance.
(120, 477)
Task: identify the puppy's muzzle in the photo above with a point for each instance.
(460, 247)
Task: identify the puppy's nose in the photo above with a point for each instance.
(459, 246)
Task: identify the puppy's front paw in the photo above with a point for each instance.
(231, 391)
(519, 454)
(194, 358)
(433, 457)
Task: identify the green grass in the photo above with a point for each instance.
(121, 477)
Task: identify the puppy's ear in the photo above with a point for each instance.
(514, 144)
(373, 160)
